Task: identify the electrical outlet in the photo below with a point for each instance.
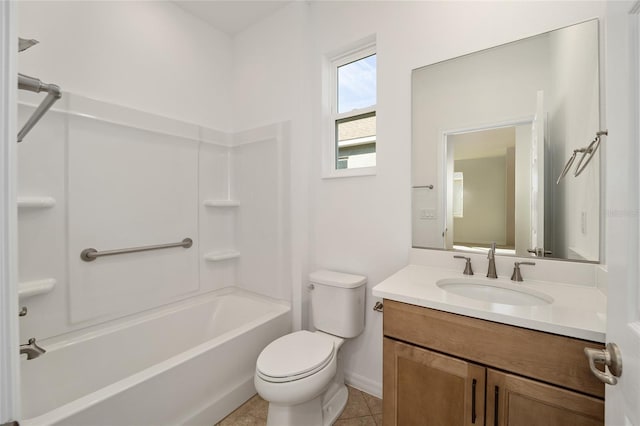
(428, 214)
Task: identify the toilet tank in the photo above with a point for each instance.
(337, 302)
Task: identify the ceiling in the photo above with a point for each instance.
(231, 16)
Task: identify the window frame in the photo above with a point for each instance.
(330, 169)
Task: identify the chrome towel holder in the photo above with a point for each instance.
(587, 155)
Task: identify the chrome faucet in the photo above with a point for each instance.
(491, 272)
(467, 268)
(31, 349)
(517, 276)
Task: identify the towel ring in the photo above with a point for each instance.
(589, 153)
(587, 156)
(568, 165)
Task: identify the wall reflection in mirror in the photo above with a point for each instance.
(492, 132)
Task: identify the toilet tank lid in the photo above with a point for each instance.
(336, 279)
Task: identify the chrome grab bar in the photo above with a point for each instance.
(91, 254)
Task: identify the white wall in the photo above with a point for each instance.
(271, 85)
(151, 56)
(362, 224)
(485, 201)
(573, 123)
(372, 232)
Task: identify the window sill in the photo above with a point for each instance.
(345, 173)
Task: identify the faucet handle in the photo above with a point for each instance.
(517, 276)
(467, 268)
(492, 251)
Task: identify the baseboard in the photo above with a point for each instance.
(364, 384)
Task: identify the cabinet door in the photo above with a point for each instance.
(516, 401)
(424, 388)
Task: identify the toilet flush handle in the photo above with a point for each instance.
(311, 287)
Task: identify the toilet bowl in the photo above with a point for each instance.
(297, 367)
(300, 374)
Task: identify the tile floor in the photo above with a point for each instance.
(362, 410)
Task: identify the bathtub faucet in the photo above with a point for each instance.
(31, 349)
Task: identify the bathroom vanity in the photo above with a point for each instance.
(450, 359)
(470, 350)
(466, 369)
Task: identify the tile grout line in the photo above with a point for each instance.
(247, 411)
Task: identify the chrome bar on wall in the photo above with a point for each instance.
(91, 254)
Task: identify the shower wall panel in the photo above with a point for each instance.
(260, 161)
(217, 223)
(42, 229)
(130, 187)
(114, 177)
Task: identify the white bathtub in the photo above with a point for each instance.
(187, 363)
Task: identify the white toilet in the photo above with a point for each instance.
(299, 374)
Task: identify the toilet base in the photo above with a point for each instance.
(323, 410)
(334, 401)
(308, 413)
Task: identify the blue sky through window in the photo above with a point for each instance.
(357, 84)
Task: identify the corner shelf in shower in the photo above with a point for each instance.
(217, 256)
(36, 202)
(221, 203)
(35, 287)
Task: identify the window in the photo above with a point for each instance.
(353, 112)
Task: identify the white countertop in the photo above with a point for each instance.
(576, 311)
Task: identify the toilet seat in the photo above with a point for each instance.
(295, 356)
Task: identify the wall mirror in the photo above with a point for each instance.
(492, 133)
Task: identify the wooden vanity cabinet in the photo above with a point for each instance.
(445, 369)
(516, 401)
(422, 387)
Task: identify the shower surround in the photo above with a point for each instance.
(98, 175)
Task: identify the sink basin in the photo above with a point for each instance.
(494, 292)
